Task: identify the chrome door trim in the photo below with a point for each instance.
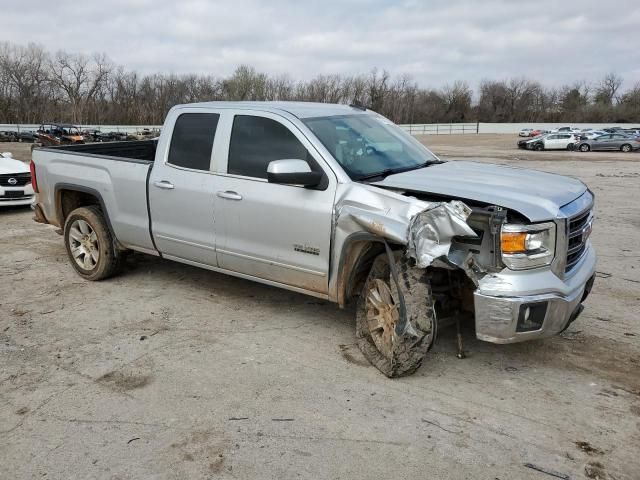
(271, 262)
(192, 244)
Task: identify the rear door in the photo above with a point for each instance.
(276, 232)
(182, 188)
(564, 140)
(617, 140)
(551, 142)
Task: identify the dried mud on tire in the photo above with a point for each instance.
(408, 352)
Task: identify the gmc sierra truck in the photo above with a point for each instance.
(337, 202)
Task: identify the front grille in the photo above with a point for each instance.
(21, 179)
(576, 241)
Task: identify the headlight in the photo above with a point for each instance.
(528, 246)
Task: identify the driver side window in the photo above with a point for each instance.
(256, 141)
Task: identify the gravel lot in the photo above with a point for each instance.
(168, 371)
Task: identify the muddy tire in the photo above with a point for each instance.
(377, 313)
(90, 245)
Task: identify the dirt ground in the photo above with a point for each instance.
(171, 372)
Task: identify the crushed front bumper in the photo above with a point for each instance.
(518, 306)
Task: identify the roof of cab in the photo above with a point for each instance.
(297, 109)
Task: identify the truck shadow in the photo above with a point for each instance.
(573, 350)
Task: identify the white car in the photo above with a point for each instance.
(591, 134)
(15, 182)
(565, 130)
(525, 132)
(550, 141)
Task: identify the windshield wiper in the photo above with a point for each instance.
(389, 171)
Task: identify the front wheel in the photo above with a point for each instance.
(90, 245)
(584, 147)
(378, 313)
(626, 148)
(539, 147)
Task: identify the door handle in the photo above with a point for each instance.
(164, 184)
(229, 195)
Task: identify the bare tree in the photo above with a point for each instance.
(80, 78)
(34, 86)
(608, 88)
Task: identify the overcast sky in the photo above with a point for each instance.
(435, 41)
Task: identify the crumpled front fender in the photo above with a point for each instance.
(426, 228)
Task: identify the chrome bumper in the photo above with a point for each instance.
(515, 306)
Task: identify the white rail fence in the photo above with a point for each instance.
(507, 128)
(413, 129)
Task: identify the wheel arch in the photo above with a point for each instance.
(358, 252)
(69, 196)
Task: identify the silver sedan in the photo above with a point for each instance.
(610, 141)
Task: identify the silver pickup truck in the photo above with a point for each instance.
(337, 202)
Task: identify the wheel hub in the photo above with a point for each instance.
(83, 243)
(382, 316)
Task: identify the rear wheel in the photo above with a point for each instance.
(625, 148)
(585, 147)
(378, 314)
(90, 245)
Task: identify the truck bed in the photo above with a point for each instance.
(142, 150)
(115, 174)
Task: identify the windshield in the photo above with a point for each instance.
(366, 145)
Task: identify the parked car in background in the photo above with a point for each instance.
(609, 141)
(590, 134)
(15, 182)
(91, 135)
(25, 136)
(7, 136)
(537, 132)
(52, 134)
(112, 137)
(565, 130)
(525, 132)
(613, 129)
(144, 134)
(528, 143)
(550, 141)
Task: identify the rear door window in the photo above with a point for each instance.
(256, 141)
(192, 140)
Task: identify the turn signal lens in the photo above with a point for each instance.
(513, 242)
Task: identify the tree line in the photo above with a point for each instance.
(38, 86)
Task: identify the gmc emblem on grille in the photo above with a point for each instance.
(12, 181)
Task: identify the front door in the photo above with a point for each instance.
(182, 189)
(601, 142)
(276, 232)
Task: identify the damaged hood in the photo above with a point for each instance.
(536, 195)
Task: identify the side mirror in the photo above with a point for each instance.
(292, 172)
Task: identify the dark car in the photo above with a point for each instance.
(610, 141)
(7, 136)
(28, 137)
(91, 135)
